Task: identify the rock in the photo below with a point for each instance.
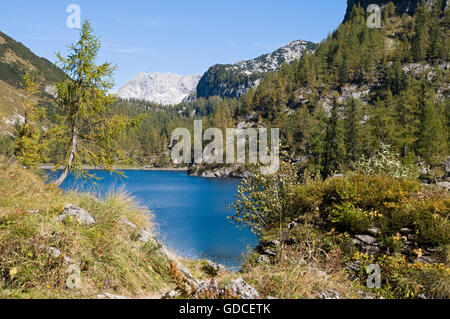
(107, 295)
(271, 298)
(146, 235)
(242, 289)
(292, 225)
(270, 252)
(446, 166)
(208, 287)
(366, 239)
(353, 266)
(214, 269)
(272, 243)
(264, 259)
(172, 294)
(127, 222)
(329, 295)
(373, 231)
(33, 211)
(184, 271)
(444, 185)
(56, 253)
(79, 214)
(426, 260)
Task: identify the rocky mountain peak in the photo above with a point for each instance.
(161, 88)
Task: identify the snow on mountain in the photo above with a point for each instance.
(162, 88)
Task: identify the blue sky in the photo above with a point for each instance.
(183, 37)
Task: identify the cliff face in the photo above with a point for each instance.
(402, 6)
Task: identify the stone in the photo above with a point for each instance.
(292, 225)
(127, 222)
(373, 231)
(353, 266)
(264, 259)
(270, 252)
(214, 269)
(107, 295)
(56, 253)
(33, 211)
(366, 239)
(329, 295)
(79, 214)
(444, 185)
(146, 236)
(211, 287)
(446, 165)
(172, 294)
(242, 289)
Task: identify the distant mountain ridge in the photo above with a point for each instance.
(161, 88)
(233, 80)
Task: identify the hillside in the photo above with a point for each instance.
(15, 60)
(233, 80)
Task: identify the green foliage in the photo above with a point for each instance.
(86, 126)
(30, 147)
(265, 201)
(384, 162)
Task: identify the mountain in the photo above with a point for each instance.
(233, 80)
(401, 6)
(15, 61)
(162, 88)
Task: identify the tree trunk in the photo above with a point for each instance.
(73, 150)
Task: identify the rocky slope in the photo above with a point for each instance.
(161, 88)
(15, 61)
(233, 80)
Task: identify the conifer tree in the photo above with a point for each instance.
(86, 127)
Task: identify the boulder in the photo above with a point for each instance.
(208, 287)
(366, 239)
(242, 289)
(214, 269)
(264, 259)
(444, 185)
(79, 214)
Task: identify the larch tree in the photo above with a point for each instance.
(87, 128)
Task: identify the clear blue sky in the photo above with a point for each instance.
(183, 37)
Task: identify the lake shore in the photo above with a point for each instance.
(94, 168)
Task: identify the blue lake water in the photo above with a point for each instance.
(190, 212)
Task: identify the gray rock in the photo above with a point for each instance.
(242, 289)
(270, 252)
(56, 253)
(210, 286)
(146, 236)
(444, 185)
(446, 165)
(366, 239)
(127, 222)
(34, 211)
(353, 266)
(79, 214)
(373, 231)
(292, 225)
(214, 269)
(329, 295)
(172, 294)
(107, 295)
(264, 259)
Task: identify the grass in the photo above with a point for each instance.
(108, 254)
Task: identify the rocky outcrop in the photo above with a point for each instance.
(77, 213)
